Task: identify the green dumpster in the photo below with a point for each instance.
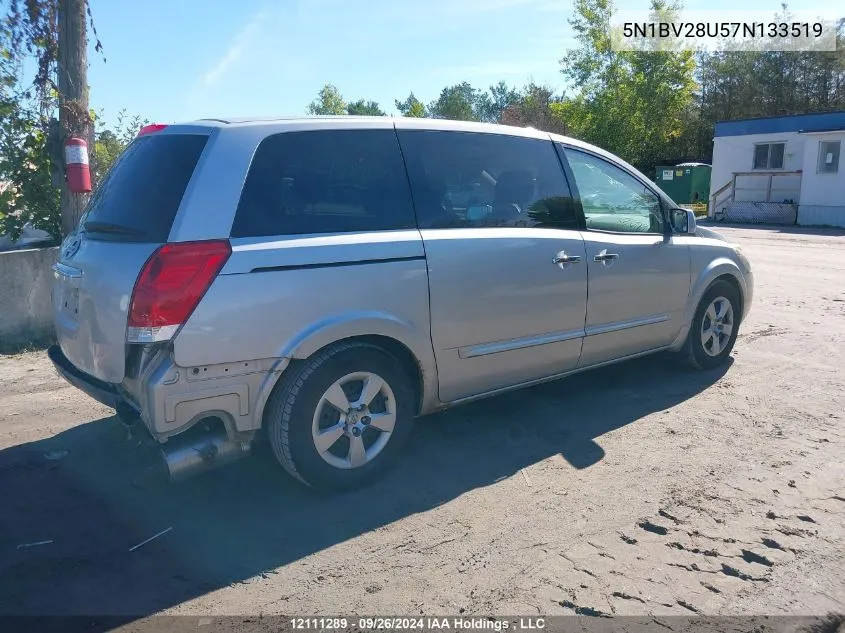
(686, 183)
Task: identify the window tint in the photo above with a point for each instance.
(469, 179)
(140, 196)
(326, 181)
(613, 199)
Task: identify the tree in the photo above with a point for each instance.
(27, 195)
(26, 191)
(747, 83)
(492, 104)
(54, 33)
(411, 107)
(538, 107)
(633, 103)
(329, 101)
(364, 108)
(459, 102)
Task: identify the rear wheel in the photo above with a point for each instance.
(339, 419)
(714, 327)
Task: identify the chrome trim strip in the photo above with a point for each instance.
(624, 325)
(540, 381)
(519, 343)
(555, 337)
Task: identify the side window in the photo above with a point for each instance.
(612, 199)
(325, 181)
(829, 156)
(472, 179)
(768, 155)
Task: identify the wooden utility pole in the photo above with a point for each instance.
(74, 116)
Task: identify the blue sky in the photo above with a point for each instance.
(176, 60)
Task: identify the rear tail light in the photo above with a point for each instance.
(170, 286)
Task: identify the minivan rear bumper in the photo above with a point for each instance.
(103, 392)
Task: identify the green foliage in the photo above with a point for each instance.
(28, 195)
(411, 107)
(538, 107)
(460, 102)
(329, 101)
(633, 103)
(109, 144)
(364, 108)
(492, 105)
(26, 191)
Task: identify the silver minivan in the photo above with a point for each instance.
(318, 283)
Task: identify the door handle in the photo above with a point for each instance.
(563, 260)
(604, 256)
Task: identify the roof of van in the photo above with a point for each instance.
(407, 122)
(293, 121)
(296, 118)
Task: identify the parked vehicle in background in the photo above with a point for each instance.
(321, 282)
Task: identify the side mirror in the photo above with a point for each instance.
(683, 221)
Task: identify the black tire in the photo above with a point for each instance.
(693, 353)
(292, 406)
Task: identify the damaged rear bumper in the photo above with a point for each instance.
(103, 392)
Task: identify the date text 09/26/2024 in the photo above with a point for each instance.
(459, 623)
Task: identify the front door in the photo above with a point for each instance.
(507, 265)
(639, 275)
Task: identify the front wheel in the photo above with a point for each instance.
(714, 327)
(340, 418)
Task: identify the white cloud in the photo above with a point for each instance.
(243, 39)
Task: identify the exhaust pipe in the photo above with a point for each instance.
(195, 455)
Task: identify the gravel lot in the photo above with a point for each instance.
(636, 489)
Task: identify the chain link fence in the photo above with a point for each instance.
(757, 213)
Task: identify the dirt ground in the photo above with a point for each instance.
(636, 489)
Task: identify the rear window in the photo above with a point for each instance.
(139, 197)
(325, 181)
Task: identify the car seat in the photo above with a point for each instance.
(514, 192)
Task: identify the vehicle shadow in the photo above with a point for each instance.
(80, 491)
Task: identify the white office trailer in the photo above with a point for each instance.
(783, 170)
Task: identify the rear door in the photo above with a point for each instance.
(128, 217)
(506, 263)
(639, 273)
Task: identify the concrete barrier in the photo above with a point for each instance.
(25, 281)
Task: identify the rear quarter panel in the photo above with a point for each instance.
(289, 297)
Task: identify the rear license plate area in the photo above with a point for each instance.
(70, 302)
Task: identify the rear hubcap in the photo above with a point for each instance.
(354, 420)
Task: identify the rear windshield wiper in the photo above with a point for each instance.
(108, 227)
